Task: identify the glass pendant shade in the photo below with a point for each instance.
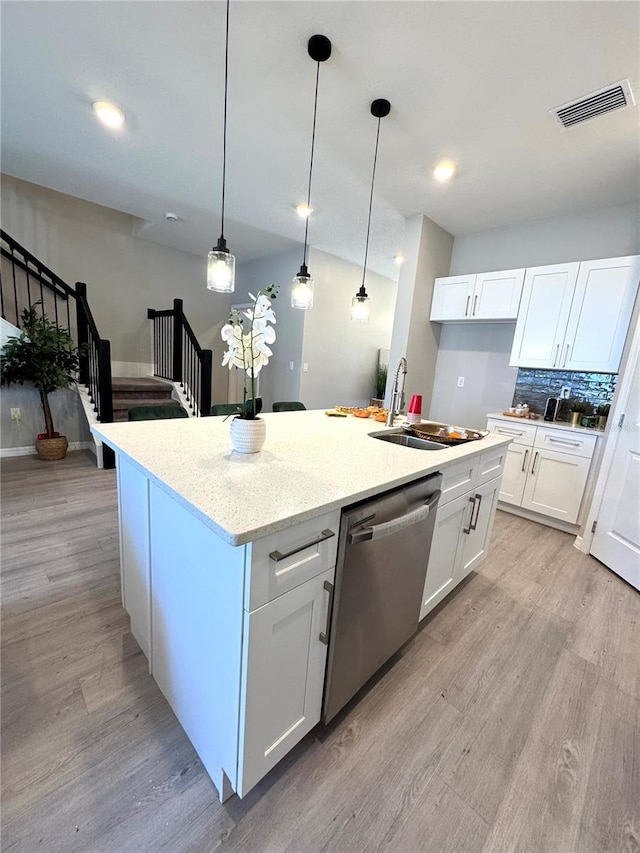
(360, 309)
(221, 270)
(302, 291)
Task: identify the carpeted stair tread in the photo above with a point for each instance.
(140, 386)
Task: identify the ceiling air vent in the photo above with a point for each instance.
(613, 97)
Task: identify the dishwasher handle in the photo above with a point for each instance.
(388, 528)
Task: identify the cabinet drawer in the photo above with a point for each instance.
(491, 465)
(577, 444)
(458, 479)
(283, 560)
(522, 433)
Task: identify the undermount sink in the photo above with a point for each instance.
(400, 437)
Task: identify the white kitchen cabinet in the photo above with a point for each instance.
(544, 314)
(575, 316)
(284, 659)
(546, 469)
(463, 525)
(475, 542)
(483, 297)
(555, 484)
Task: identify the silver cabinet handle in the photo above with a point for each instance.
(324, 635)
(564, 441)
(474, 524)
(473, 506)
(535, 459)
(276, 556)
(566, 356)
(506, 431)
(466, 308)
(388, 528)
(524, 462)
(555, 360)
(475, 304)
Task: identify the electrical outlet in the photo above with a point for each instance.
(305, 367)
(290, 365)
(460, 381)
(566, 391)
(15, 414)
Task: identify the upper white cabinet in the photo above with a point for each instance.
(483, 297)
(575, 316)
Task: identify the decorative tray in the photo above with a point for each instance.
(445, 433)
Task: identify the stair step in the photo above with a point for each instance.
(137, 386)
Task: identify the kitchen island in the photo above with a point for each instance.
(226, 560)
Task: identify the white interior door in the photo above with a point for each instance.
(617, 538)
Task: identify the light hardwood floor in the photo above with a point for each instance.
(510, 722)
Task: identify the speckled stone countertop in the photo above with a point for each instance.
(310, 464)
(547, 424)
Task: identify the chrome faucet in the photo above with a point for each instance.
(397, 395)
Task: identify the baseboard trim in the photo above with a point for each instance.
(564, 526)
(7, 452)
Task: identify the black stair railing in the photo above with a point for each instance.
(178, 356)
(24, 280)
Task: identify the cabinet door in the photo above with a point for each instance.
(452, 298)
(600, 314)
(497, 295)
(475, 542)
(445, 554)
(543, 316)
(555, 484)
(283, 669)
(515, 473)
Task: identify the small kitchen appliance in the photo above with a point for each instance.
(551, 408)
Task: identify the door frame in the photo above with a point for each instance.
(612, 432)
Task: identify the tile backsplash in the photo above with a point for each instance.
(534, 386)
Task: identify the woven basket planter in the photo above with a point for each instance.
(51, 449)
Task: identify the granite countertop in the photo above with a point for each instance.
(547, 424)
(310, 464)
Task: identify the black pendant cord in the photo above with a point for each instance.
(224, 123)
(313, 142)
(373, 177)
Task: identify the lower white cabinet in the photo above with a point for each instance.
(461, 535)
(555, 484)
(284, 658)
(546, 469)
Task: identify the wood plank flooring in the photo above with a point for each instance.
(511, 722)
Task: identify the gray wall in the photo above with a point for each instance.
(277, 382)
(81, 241)
(68, 416)
(427, 256)
(607, 233)
(481, 353)
(342, 356)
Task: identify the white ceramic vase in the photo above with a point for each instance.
(247, 436)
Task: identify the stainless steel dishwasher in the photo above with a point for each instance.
(383, 551)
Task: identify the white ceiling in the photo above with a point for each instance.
(471, 81)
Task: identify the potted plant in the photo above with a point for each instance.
(603, 413)
(248, 335)
(381, 385)
(579, 409)
(46, 357)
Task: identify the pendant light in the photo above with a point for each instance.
(319, 49)
(360, 302)
(221, 264)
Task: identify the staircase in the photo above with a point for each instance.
(139, 391)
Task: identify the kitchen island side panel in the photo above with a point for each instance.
(197, 583)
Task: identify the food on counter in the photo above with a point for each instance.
(335, 413)
(380, 415)
(361, 413)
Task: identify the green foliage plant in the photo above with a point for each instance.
(603, 411)
(581, 407)
(44, 356)
(381, 381)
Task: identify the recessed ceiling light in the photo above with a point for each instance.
(303, 210)
(108, 113)
(444, 171)
(399, 258)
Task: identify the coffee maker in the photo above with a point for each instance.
(551, 408)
